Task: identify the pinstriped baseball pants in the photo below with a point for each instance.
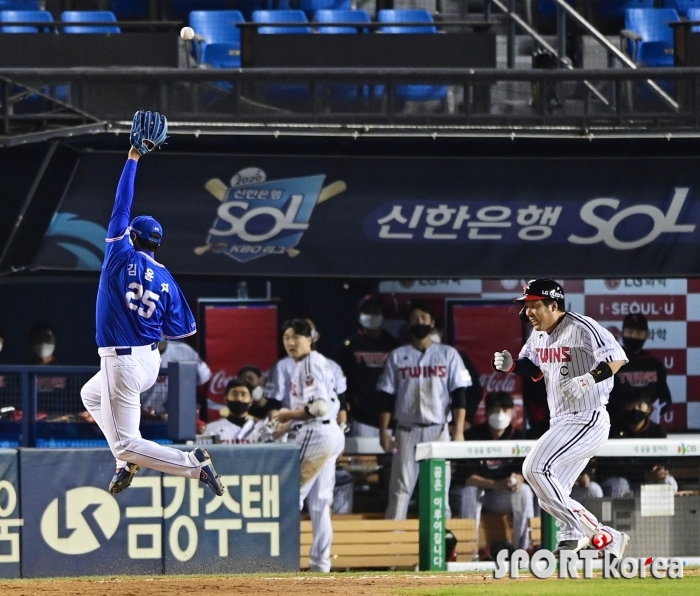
(558, 459)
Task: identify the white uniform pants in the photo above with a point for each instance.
(321, 445)
(557, 460)
(404, 467)
(474, 500)
(112, 397)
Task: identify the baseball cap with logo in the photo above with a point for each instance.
(542, 289)
(147, 228)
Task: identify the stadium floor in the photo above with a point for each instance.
(419, 584)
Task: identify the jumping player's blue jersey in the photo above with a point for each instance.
(137, 300)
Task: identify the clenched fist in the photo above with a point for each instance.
(503, 361)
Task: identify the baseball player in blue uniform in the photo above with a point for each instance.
(138, 302)
(577, 359)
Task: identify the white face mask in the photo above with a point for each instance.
(436, 338)
(257, 393)
(371, 322)
(43, 350)
(499, 421)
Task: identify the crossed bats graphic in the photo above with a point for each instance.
(219, 189)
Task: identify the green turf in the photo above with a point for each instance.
(612, 587)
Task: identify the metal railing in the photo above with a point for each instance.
(235, 100)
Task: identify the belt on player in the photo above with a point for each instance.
(408, 427)
(128, 351)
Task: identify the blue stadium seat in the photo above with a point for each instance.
(89, 16)
(618, 8)
(693, 14)
(396, 17)
(24, 16)
(343, 93)
(279, 18)
(682, 6)
(656, 47)
(130, 9)
(222, 55)
(216, 26)
(311, 7)
(341, 16)
(21, 5)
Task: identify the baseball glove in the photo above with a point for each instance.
(148, 131)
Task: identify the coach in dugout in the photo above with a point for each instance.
(643, 373)
(494, 485)
(623, 478)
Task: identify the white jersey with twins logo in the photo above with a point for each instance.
(228, 432)
(278, 383)
(311, 379)
(573, 348)
(422, 382)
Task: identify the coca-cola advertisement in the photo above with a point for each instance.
(236, 336)
(479, 330)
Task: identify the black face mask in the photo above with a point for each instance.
(632, 345)
(238, 409)
(420, 331)
(636, 416)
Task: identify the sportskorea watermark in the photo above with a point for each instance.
(544, 564)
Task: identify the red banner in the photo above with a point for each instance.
(236, 336)
(481, 330)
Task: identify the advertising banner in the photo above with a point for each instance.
(10, 521)
(236, 336)
(162, 524)
(394, 217)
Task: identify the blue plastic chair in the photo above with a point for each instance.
(222, 55)
(343, 93)
(396, 17)
(656, 47)
(24, 16)
(216, 26)
(682, 6)
(130, 9)
(693, 14)
(20, 5)
(92, 17)
(311, 7)
(618, 8)
(289, 93)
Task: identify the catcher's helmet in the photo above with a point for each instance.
(542, 289)
(147, 228)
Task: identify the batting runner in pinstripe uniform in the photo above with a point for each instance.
(577, 358)
(425, 380)
(311, 406)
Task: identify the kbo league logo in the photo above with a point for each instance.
(258, 217)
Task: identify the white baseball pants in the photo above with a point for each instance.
(113, 398)
(558, 459)
(321, 445)
(404, 467)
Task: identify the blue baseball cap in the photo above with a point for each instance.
(147, 228)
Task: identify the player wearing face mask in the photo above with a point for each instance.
(362, 357)
(235, 424)
(43, 345)
(643, 373)
(494, 485)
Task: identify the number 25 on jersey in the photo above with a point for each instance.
(146, 298)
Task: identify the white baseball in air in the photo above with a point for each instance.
(187, 33)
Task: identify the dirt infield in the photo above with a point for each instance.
(355, 584)
(341, 584)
